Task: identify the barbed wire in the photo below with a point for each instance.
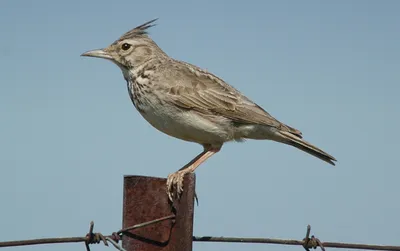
(95, 238)
(307, 242)
(90, 238)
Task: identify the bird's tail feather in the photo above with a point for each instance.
(293, 140)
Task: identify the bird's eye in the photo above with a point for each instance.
(125, 46)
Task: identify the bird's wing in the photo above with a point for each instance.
(196, 89)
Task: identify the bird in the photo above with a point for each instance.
(192, 104)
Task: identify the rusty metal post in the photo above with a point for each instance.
(145, 199)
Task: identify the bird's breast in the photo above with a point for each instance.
(139, 90)
(174, 121)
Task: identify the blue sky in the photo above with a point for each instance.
(69, 132)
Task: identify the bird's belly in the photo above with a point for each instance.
(187, 125)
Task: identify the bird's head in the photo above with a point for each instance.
(131, 50)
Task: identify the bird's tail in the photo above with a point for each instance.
(293, 140)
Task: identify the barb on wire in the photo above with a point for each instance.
(94, 238)
(311, 242)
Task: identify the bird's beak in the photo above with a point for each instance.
(100, 53)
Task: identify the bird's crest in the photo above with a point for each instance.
(139, 31)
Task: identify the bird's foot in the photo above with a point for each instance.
(175, 184)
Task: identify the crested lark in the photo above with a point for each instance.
(192, 104)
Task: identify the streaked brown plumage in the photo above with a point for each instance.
(192, 104)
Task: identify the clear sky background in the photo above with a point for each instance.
(68, 130)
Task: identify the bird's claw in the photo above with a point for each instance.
(175, 185)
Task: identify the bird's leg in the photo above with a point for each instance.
(175, 180)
